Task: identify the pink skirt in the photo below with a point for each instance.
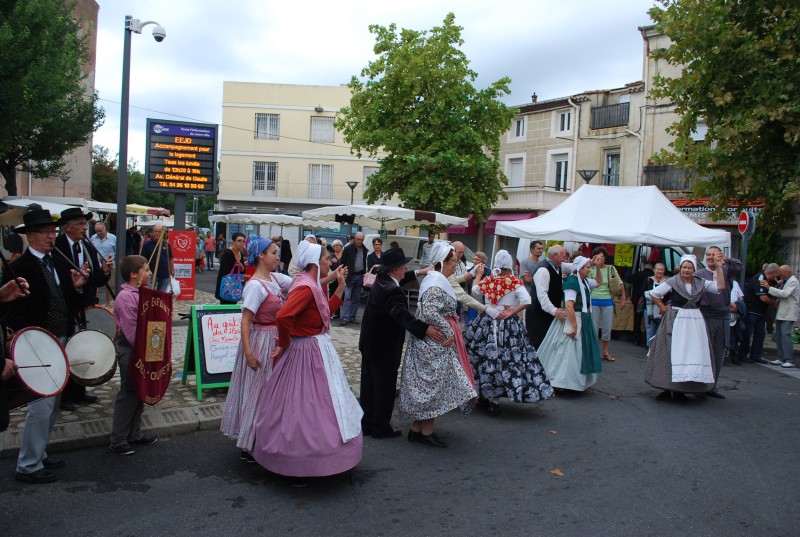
(297, 433)
(246, 387)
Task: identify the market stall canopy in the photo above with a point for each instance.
(18, 206)
(134, 208)
(270, 219)
(618, 215)
(383, 216)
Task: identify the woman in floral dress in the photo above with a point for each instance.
(502, 357)
(436, 377)
(261, 299)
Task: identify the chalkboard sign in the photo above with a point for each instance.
(211, 345)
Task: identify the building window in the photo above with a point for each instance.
(322, 129)
(562, 123)
(615, 115)
(517, 132)
(560, 172)
(612, 168)
(515, 171)
(369, 171)
(320, 180)
(265, 177)
(268, 126)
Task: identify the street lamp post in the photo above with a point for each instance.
(131, 25)
(352, 185)
(64, 178)
(587, 175)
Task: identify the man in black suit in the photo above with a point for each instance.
(637, 280)
(383, 331)
(354, 257)
(74, 245)
(53, 299)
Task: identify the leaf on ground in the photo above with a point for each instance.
(792, 394)
(557, 472)
(614, 397)
(553, 432)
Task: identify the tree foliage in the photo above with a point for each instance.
(437, 136)
(105, 178)
(44, 107)
(741, 77)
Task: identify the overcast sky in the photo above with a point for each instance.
(555, 48)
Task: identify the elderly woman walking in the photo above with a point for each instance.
(309, 422)
(436, 377)
(679, 360)
(502, 357)
(570, 352)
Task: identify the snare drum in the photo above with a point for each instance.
(92, 358)
(99, 318)
(43, 367)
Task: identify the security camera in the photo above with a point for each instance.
(159, 33)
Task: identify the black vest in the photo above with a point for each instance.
(555, 292)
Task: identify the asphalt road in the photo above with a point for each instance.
(630, 465)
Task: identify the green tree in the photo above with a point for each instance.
(438, 134)
(105, 175)
(740, 77)
(43, 103)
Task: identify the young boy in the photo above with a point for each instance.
(126, 425)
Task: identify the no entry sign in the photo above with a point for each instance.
(744, 222)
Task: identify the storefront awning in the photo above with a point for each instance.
(491, 222)
(470, 229)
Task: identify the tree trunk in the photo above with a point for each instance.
(9, 172)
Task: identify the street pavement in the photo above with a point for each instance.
(611, 461)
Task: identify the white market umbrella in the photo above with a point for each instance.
(271, 219)
(385, 216)
(18, 206)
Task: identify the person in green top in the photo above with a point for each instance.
(602, 301)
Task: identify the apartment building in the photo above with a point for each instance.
(280, 152)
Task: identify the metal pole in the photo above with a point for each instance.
(122, 186)
(180, 211)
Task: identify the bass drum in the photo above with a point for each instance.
(100, 318)
(43, 367)
(92, 358)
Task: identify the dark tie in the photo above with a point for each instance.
(48, 264)
(57, 316)
(76, 253)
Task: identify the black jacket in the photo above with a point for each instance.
(97, 278)
(349, 260)
(386, 319)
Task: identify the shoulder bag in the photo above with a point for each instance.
(232, 285)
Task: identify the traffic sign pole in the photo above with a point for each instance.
(747, 225)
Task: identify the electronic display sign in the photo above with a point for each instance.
(181, 158)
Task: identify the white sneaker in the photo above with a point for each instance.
(787, 364)
(777, 362)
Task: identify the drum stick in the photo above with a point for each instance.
(11, 271)
(28, 366)
(67, 259)
(87, 362)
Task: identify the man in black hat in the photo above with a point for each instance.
(74, 245)
(54, 294)
(383, 329)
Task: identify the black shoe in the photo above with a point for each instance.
(69, 406)
(431, 440)
(493, 409)
(51, 463)
(344, 322)
(715, 394)
(746, 360)
(389, 433)
(88, 399)
(146, 440)
(38, 477)
(246, 457)
(759, 360)
(735, 361)
(124, 449)
(413, 436)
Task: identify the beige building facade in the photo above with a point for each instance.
(77, 180)
(280, 152)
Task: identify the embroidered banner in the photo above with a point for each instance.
(151, 367)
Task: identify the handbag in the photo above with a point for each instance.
(614, 283)
(232, 285)
(369, 279)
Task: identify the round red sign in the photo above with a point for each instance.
(744, 221)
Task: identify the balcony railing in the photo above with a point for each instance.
(531, 199)
(615, 115)
(668, 178)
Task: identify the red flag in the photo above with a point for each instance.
(151, 366)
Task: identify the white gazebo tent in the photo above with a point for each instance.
(619, 215)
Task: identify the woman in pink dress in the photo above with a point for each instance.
(309, 423)
(262, 298)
